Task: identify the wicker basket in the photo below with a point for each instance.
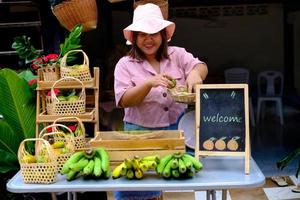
(82, 73)
(180, 95)
(38, 172)
(51, 72)
(56, 135)
(78, 140)
(72, 12)
(163, 5)
(56, 107)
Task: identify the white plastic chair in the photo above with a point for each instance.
(270, 88)
(240, 75)
(187, 124)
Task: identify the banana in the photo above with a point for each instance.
(107, 173)
(175, 173)
(181, 166)
(88, 169)
(143, 167)
(138, 174)
(73, 159)
(128, 163)
(104, 158)
(188, 164)
(167, 170)
(196, 163)
(163, 162)
(123, 169)
(79, 165)
(174, 163)
(130, 174)
(97, 167)
(71, 175)
(151, 158)
(117, 171)
(135, 164)
(149, 163)
(58, 144)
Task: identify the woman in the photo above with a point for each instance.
(143, 76)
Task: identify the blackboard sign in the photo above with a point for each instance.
(222, 120)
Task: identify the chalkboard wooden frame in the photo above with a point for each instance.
(214, 89)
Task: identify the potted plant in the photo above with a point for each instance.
(48, 63)
(72, 12)
(282, 163)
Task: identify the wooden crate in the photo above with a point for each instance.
(121, 146)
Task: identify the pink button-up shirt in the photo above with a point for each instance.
(158, 108)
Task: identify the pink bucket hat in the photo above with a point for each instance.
(148, 19)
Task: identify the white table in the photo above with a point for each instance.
(219, 173)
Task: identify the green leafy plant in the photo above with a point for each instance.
(282, 163)
(18, 113)
(71, 42)
(25, 50)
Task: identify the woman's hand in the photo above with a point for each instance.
(196, 76)
(159, 80)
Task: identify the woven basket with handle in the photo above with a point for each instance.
(81, 72)
(51, 72)
(180, 95)
(72, 12)
(38, 171)
(163, 5)
(56, 107)
(55, 136)
(79, 140)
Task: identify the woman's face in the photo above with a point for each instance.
(149, 43)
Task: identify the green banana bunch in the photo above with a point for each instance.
(93, 163)
(136, 167)
(178, 165)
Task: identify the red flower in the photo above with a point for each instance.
(56, 92)
(51, 58)
(32, 81)
(72, 127)
(49, 130)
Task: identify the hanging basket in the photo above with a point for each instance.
(62, 154)
(72, 12)
(163, 5)
(56, 107)
(82, 72)
(79, 139)
(32, 168)
(51, 72)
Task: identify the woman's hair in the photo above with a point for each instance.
(162, 51)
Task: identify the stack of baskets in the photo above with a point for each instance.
(38, 168)
(59, 136)
(163, 5)
(56, 107)
(79, 138)
(81, 72)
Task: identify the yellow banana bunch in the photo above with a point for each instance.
(136, 167)
(178, 165)
(93, 163)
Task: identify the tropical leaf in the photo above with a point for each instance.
(15, 104)
(27, 75)
(9, 140)
(8, 162)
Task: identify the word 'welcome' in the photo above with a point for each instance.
(222, 119)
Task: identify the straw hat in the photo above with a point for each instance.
(148, 18)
